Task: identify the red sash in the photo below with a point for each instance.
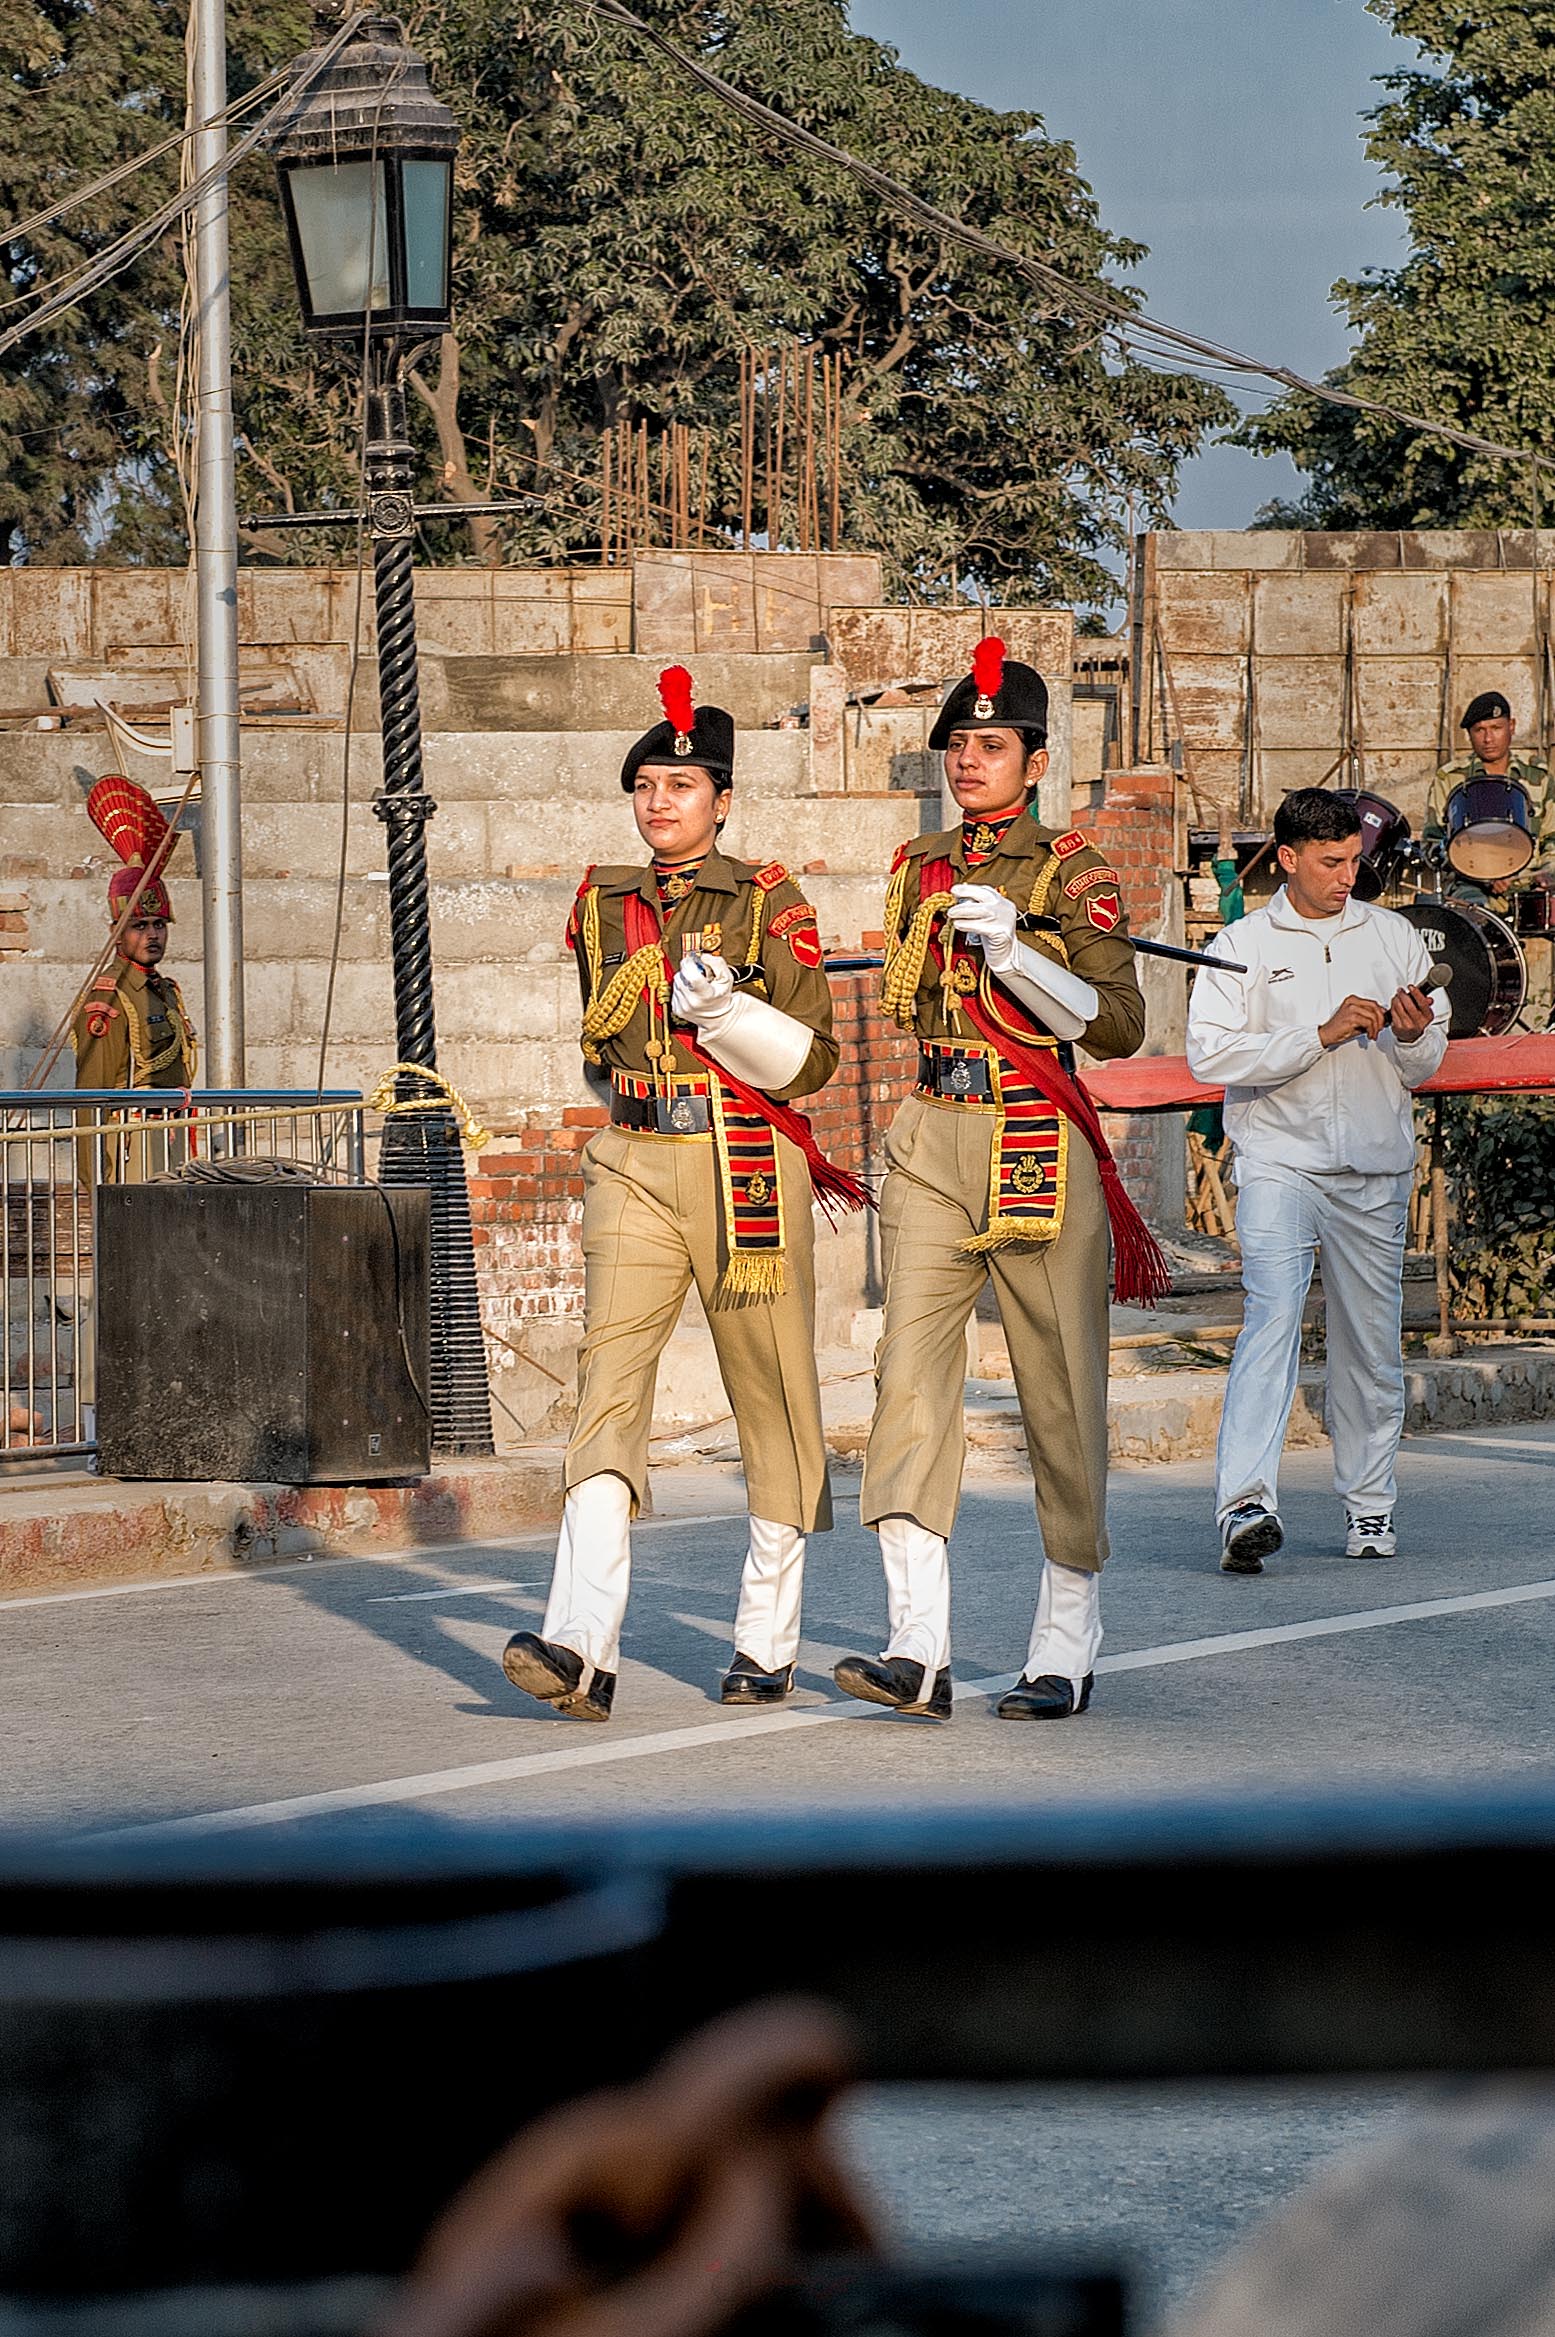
(832, 1186)
(1140, 1273)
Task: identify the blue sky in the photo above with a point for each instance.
(1226, 134)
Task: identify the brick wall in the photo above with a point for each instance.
(1136, 826)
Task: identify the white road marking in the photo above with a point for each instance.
(394, 1790)
(1490, 1442)
(265, 1569)
(445, 1590)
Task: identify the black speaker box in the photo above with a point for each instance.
(275, 1334)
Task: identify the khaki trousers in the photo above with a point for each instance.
(652, 1225)
(1052, 1299)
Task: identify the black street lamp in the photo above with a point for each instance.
(366, 169)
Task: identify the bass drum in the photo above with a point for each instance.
(1489, 972)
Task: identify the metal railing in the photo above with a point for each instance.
(56, 1149)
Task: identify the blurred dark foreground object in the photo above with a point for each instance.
(271, 2058)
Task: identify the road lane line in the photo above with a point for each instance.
(447, 1590)
(392, 1791)
(266, 1569)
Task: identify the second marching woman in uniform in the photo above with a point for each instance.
(1005, 943)
(706, 1006)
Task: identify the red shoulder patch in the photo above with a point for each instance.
(107, 982)
(797, 926)
(901, 855)
(772, 875)
(1104, 910)
(571, 935)
(1086, 879)
(1063, 846)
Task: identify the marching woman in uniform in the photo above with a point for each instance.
(705, 1004)
(1005, 943)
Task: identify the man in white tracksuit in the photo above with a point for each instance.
(1318, 1046)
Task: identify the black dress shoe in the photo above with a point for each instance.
(556, 1675)
(746, 1683)
(896, 1681)
(1047, 1697)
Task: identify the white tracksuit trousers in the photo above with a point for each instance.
(1283, 1218)
(593, 1576)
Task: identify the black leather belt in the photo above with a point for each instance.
(661, 1115)
(961, 1079)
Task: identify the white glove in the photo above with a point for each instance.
(1063, 1001)
(757, 1042)
(1060, 999)
(703, 984)
(984, 915)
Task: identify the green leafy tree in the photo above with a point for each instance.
(621, 238)
(1463, 328)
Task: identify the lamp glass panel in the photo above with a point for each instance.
(427, 186)
(339, 215)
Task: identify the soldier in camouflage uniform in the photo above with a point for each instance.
(705, 1008)
(1005, 943)
(1491, 730)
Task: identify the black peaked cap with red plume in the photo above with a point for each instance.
(703, 735)
(998, 689)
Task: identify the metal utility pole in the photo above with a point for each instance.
(216, 570)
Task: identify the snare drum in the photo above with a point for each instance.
(1489, 829)
(1533, 913)
(1383, 832)
(1489, 972)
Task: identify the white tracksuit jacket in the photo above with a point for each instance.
(1291, 1103)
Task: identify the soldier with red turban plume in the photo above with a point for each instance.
(705, 1010)
(1005, 944)
(132, 1028)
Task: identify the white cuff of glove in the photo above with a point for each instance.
(755, 1041)
(1059, 998)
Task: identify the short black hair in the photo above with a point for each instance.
(1310, 815)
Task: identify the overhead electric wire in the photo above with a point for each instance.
(17, 230)
(119, 254)
(1089, 299)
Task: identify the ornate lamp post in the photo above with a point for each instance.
(366, 171)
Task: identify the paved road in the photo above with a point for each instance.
(374, 1682)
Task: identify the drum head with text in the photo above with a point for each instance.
(1489, 973)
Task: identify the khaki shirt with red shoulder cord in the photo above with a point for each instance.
(745, 913)
(133, 1030)
(1051, 875)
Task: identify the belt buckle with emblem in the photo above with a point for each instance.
(679, 1115)
(967, 1076)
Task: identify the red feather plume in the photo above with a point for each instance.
(988, 666)
(676, 699)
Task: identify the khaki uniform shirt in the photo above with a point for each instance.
(133, 1030)
(1062, 876)
(750, 915)
(1534, 780)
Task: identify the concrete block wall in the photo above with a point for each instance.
(875, 748)
(1267, 660)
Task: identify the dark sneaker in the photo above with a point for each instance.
(746, 1683)
(893, 1680)
(1047, 1697)
(1250, 1535)
(559, 1677)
